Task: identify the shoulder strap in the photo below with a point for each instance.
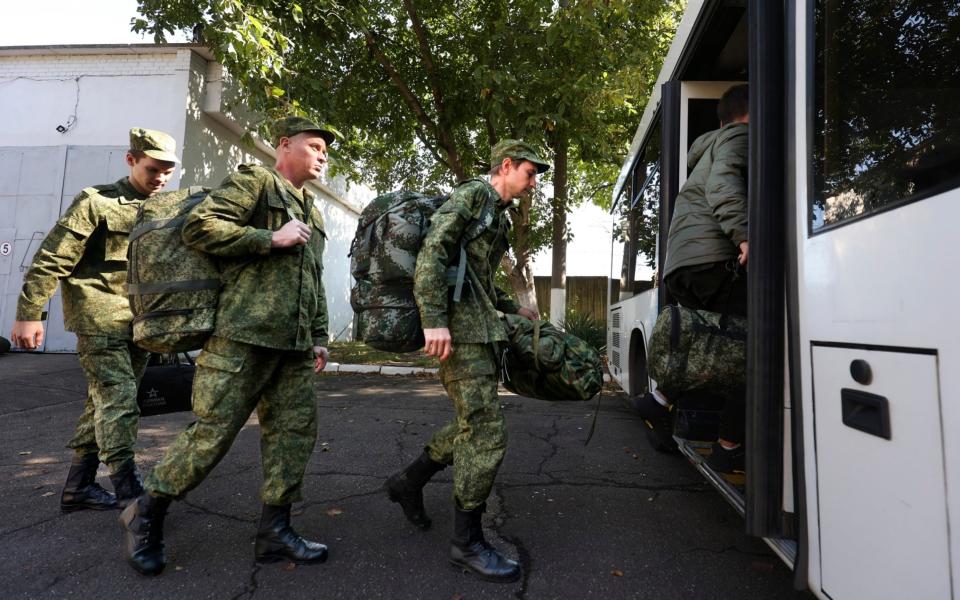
(282, 191)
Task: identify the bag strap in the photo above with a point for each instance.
(461, 275)
(282, 191)
(536, 345)
(725, 315)
(596, 414)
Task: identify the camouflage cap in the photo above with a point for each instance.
(291, 126)
(517, 149)
(155, 144)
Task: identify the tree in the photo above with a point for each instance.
(423, 88)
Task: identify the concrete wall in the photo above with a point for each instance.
(106, 94)
(97, 95)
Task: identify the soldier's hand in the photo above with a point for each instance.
(293, 233)
(321, 355)
(438, 342)
(744, 247)
(27, 334)
(528, 313)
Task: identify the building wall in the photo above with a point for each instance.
(107, 93)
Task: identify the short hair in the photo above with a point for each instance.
(137, 154)
(734, 103)
(495, 169)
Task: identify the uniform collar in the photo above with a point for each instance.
(127, 190)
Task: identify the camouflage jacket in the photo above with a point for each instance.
(271, 297)
(474, 319)
(86, 252)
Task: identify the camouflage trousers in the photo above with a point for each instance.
(232, 380)
(475, 442)
(108, 425)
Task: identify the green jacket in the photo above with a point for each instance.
(271, 297)
(473, 207)
(710, 214)
(86, 252)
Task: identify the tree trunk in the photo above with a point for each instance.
(522, 282)
(558, 275)
(518, 271)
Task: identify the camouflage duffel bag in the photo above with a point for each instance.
(541, 361)
(698, 350)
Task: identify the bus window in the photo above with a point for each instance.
(886, 126)
(635, 227)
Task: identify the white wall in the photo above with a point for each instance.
(109, 92)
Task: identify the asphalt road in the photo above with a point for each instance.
(609, 520)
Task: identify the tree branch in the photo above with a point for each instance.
(441, 135)
(444, 134)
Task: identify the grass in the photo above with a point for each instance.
(358, 353)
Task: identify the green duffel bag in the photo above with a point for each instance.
(541, 361)
(698, 350)
(173, 289)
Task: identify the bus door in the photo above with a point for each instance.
(877, 215)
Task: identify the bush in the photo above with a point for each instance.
(587, 328)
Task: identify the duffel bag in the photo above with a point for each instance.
(698, 350)
(541, 361)
(166, 385)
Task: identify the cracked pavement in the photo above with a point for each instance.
(610, 520)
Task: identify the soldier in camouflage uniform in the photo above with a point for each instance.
(86, 253)
(463, 335)
(270, 334)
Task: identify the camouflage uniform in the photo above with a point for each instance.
(475, 442)
(86, 253)
(272, 312)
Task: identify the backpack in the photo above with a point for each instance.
(173, 289)
(698, 350)
(541, 361)
(383, 259)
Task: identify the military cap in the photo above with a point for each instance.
(517, 149)
(291, 126)
(155, 144)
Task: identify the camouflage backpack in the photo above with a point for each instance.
(383, 258)
(541, 361)
(173, 289)
(698, 350)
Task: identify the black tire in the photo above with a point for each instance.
(4, 345)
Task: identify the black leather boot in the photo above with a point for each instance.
(126, 483)
(406, 488)
(142, 523)
(471, 552)
(277, 541)
(82, 490)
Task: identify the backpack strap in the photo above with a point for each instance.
(475, 227)
(282, 191)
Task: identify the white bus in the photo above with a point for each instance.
(853, 414)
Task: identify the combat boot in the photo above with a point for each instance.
(142, 523)
(126, 483)
(277, 541)
(471, 552)
(82, 490)
(406, 488)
